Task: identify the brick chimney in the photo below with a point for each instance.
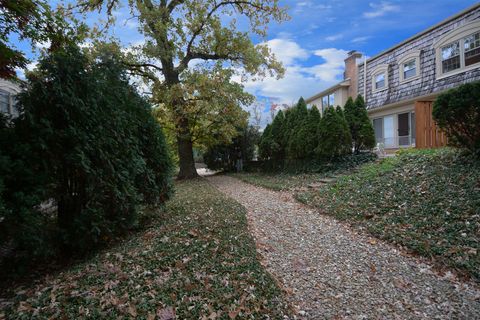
(351, 72)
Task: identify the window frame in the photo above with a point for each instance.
(415, 55)
(455, 35)
(379, 70)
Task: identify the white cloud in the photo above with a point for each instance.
(334, 37)
(360, 39)
(287, 51)
(380, 9)
(302, 6)
(299, 81)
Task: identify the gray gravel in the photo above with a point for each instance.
(332, 272)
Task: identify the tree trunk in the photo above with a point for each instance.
(185, 150)
(185, 154)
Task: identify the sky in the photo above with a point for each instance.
(314, 42)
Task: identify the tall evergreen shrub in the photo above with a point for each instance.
(361, 128)
(334, 137)
(93, 137)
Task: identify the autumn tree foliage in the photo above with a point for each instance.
(31, 20)
(189, 58)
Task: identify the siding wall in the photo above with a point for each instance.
(426, 84)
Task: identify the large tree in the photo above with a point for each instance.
(31, 20)
(192, 51)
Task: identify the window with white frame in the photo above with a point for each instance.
(472, 49)
(409, 66)
(451, 57)
(459, 50)
(409, 69)
(380, 78)
(380, 81)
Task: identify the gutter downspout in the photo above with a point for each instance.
(365, 78)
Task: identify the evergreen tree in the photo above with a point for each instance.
(311, 139)
(94, 140)
(366, 133)
(296, 131)
(278, 136)
(361, 129)
(265, 145)
(333, 135)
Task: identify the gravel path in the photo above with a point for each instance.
(333, 272)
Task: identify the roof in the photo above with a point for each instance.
(455, 16)
(344, 83)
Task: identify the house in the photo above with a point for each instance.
(338, 94)
(8, 91)
(401, 83)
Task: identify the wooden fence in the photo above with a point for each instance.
(428, 135)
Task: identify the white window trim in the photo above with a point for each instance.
(406, 58)
(456, 35)
(383, 68)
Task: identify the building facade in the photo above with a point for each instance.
(8, 91)
(338, 94)
(401, 83)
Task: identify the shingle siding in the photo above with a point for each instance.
(426, 84)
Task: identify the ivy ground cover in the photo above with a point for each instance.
(198, 261)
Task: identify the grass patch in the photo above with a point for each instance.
(425, 200)
(198, 261)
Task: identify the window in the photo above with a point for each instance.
(328, 101)
(380, 81)
(472, 49)
(409, 69)
(409, 66)
(459, 50)
(324, 103)
(380, 78)
(4, 101)
(451, 57)
(378, 127)
(331, 100)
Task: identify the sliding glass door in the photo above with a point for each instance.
(388, 132)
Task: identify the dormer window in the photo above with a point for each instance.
(380, 81)
(472, 49)
(380, 78)
(451, 57)
(409, 66)
(409, 69)
(459, 50)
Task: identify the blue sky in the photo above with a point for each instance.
(314, 42)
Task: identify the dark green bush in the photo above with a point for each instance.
(334, 138)
(457, 112)
(87, 141)
(225, 156)
(361, 129)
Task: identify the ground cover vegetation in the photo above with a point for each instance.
(197, 260)
(425, 200)
(80, 162)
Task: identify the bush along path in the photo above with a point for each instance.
(330, 271)
(198, 261)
